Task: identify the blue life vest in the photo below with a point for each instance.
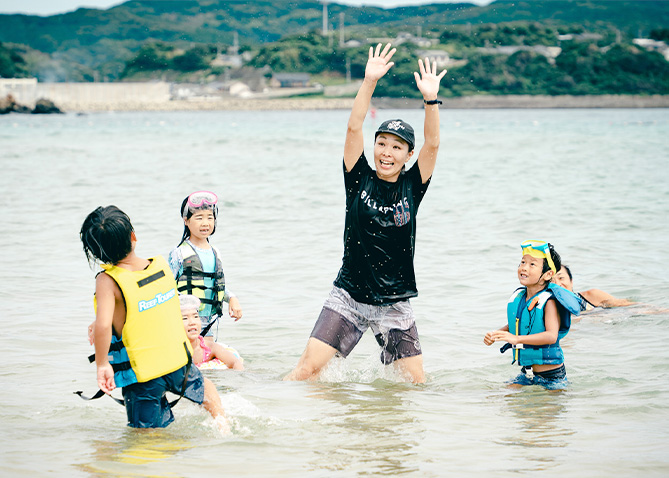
(124, 375)
(523, 321)
(118, 358)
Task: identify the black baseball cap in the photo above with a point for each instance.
(398, 128)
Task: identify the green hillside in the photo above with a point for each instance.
(178, 39)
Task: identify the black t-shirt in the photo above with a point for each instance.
(380, 235)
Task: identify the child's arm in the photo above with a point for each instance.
(91, 333)
(488, 338)
(599, 298)
(234, 308)
(550, 336)
(428, 84)
(227, 357)
(102, 330)
(378, 65)
(176, 262)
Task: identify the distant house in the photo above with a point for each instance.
(656, 45)
(442, 58)
(420, 41)
(406, 37)
(233, 61)
(550, 52)
(580, 37)
(290, 80)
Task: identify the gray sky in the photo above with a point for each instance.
(51, 7)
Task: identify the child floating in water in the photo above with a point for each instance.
(216, 354)
(590, 298)
(539, 314)
(197, 265)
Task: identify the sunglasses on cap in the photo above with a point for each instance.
(200, 200)
(540, 250)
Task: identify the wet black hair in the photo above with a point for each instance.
(106, 235)
(557, 260)
(571, 278)
(189, 214)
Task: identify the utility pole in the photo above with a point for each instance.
(341, 29)
(325, 17)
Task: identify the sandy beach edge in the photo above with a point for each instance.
(467, 102)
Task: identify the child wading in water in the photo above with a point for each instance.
(538, 316)
(197, 265)
(202, 353)
(138, 323)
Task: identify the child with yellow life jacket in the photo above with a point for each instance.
(197, 265)
(538, 316)
(139, 338)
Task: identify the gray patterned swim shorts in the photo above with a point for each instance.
(343, 321)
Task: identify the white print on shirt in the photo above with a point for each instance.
(400, 209)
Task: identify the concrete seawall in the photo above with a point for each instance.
(156, 96)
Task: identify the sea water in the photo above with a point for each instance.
(595, 183)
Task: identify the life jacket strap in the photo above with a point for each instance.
(97, 395)
(209, 326)
(185, 382)
(126, 366)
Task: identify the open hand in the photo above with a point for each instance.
(106, 378)
(428, 80)
(379, 62)
(234, 309)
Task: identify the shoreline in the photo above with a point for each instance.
(310, 104)
(304, 104)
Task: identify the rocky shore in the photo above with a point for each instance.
(42, 106)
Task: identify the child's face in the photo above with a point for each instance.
(192, 323)
(530, 270)
(562, 279)
(201, 224)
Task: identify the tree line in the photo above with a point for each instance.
(603, 63)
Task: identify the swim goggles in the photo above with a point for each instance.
(540, 250)
(200, 200)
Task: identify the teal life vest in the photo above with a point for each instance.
(526, 317)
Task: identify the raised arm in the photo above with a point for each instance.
(428, 84)
(378, 65)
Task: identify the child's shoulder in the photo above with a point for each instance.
(516, 293)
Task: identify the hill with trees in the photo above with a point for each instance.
(179, 39)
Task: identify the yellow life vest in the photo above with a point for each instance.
(153, 334)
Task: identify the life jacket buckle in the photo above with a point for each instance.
(527, 370)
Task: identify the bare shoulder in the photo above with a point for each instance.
(105, 284)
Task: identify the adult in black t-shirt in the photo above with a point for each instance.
(377, 277)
